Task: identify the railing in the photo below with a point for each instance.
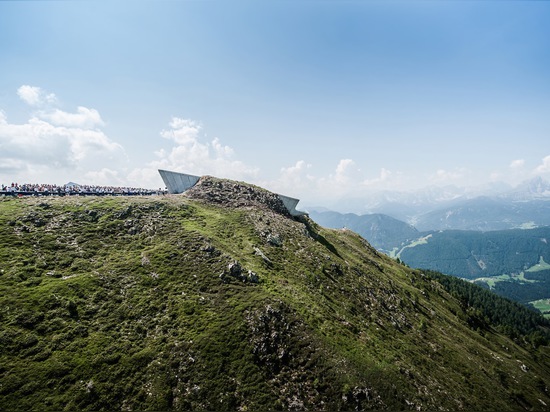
(18, 193)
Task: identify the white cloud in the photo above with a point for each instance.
(105, 177)
(191, 154)
(43, 143)
(84, 118)
(293, 180)
(296, 170)
(9, 166)
(346, 171)
(220, 150)
(182, 131)
(384, 176)
(544, 167)
(145, 177)
(517, 164)
(345, 175)
(346, 179)
(35, 96)
(54, 143)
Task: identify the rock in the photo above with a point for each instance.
(274, 239)
(93, 215)
(252, 277)
(132, 228)
(261, 254)
(235, 271)
(236, 194)
(90, 386)
(124, 214)
(210, 250)
(145, 261)
(524, 367)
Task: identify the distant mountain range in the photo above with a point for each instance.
(485, 214)
(493, 207)
(484, 238)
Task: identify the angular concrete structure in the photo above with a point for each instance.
(178, 182)
(290, 204)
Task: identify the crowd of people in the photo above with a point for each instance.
(73, 189)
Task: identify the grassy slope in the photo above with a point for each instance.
(117, 303)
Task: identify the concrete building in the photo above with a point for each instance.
(290, 204)
(180, 182)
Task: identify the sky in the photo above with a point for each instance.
(313, 99)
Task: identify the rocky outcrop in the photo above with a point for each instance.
(235, 271)
(235, 194)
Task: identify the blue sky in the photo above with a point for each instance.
(315, 99)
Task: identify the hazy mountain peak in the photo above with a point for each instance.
(535, 188)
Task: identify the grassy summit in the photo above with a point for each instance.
(218, 300)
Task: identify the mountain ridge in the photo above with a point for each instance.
(206, 301)
(431, 207)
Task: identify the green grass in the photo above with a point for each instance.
(420, 241)
(543, 305)
(118, 303)
(542, 265)
(491, 281)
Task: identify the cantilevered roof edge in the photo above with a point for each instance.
(178, 182)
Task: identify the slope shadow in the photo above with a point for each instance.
(310, 226)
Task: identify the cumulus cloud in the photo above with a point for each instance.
(544, 167)
(41, 142)
(192, 154)
(293, 180)
(346, 171)
(35, 96)
(517, 172)
(346, 180)
(182, 131)
(384, 176)
(347, 174)
(52, 139)
(517, 164)
(83, 118)
(295, 171)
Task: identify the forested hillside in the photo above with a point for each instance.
(472, 254)
(507, 316)
(513, 263)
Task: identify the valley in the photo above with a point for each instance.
(498, 242)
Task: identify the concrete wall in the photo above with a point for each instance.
(178, 182)
(290, 204)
